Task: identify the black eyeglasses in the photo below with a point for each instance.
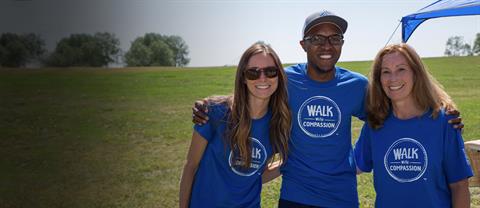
(335, 40)
(255, 72)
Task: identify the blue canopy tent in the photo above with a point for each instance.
(442, 8)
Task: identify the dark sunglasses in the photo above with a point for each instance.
(255, 72)
(335, 40)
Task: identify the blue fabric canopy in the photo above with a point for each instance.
(442, 8)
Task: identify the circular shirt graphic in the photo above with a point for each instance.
(319, 117)
(406, 160)
(259, 156)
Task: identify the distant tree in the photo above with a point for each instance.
(456, 46)
(70, 51)
(3, 54)
(149, 50)
(35, 44)
(18, 50)
(261, 42)
(139, 54)
(467, 50)
(179, 49)
(95, 50)
(162, 54)
(157, 50)
(109, 46)
(476, 45)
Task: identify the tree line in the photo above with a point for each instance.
(152, 49)
(93, 50)
(456, 46)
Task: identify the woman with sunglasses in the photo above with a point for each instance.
(227, 159)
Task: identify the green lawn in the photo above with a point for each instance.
(81, 137)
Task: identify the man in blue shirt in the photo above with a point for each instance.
(320, 170)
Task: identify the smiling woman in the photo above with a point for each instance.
(397, 80)
(240, 128)
(413, 151)
(264, 83)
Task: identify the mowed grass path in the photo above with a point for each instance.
(81, 137)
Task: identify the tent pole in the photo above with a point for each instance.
(393, 33)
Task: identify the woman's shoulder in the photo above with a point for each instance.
(442, 115)
(443, 118)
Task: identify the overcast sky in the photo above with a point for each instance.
(217, 32)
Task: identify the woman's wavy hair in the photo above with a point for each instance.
(427, 92)
(239, 120)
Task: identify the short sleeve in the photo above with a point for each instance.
(216, 113)
(361, 111)
(363, 150)
(205, 130)
(456, 164)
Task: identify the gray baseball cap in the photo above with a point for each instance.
(324, 17)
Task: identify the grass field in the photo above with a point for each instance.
(81, 137)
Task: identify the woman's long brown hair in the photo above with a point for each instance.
(239, 120)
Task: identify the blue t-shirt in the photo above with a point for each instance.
(220, 180)
(320, 169)
(413, 160)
